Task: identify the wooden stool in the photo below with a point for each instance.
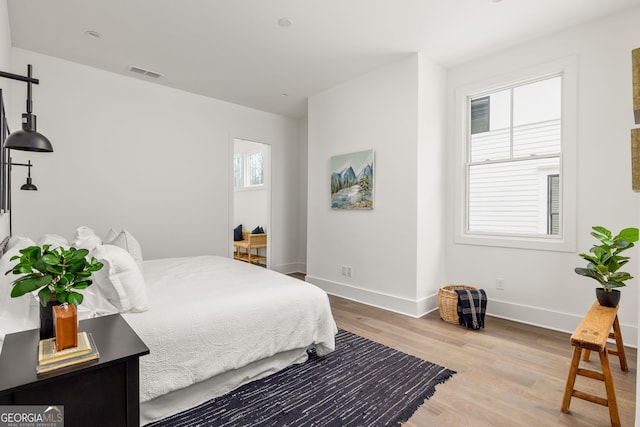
(592, 335)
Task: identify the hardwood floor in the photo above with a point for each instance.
(508, 374)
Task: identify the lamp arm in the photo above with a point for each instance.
(27, 79)
(10, 163)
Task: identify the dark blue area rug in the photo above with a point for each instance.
(362, 383)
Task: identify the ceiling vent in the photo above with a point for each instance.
(144, 72)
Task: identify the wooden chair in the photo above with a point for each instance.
(592, 335)
(248, 249)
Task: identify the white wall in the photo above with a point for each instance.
(379, 111)
(5, 37)
(430, 254)
(5, 65)
(541, 286)
(155, 160)
(302, 191)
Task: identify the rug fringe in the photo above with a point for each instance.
(412, 407)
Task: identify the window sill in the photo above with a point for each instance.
(518, 242)
(254, 188)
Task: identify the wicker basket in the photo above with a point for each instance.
(448, 302)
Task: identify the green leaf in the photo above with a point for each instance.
(613, 284)
(64, 279)
(602, 230)
(629, 234)
(40, 265)
(25, 285)
(83, 284)
(589, 273)
(78, 255)
(75, 298)
(589, 258)
(55, 270)
(620, 276)
(44, 295)
(50, 259)
(22, 269)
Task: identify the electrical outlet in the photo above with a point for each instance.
(346, 270)
(500, 283)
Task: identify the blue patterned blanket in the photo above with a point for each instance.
(472, 304)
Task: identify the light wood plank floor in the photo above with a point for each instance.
(508, 374)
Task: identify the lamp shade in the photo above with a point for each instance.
(27, 140)
(29, 185)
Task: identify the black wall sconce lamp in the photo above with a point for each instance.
(25, 139)
(29, 184)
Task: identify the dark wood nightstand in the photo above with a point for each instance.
(105, 393)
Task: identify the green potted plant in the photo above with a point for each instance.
(57, 274)
(604, 262)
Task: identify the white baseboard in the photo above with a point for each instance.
(548, 319)
(377, 299)
(535, 316)
(294, 267)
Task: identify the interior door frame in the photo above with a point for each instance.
(269, 186)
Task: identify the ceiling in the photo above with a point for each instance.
(234, 50)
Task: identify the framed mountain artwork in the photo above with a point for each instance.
(352, 182)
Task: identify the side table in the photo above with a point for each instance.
(105, 393)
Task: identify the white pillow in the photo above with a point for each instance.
(126, 241)
(94, 303)
(16, 314)
(86, 238)
(54, 240)
(120, 280)
(111, 234)
(19, 241)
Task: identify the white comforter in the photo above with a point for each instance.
(208, 315)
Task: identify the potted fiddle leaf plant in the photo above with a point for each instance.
(56, 274)
(605, 261)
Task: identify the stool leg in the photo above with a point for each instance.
(571, 379)
(586, 354)
(619, 344)
(611, 391)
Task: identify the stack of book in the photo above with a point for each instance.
(50, 360)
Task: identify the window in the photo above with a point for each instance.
(517, 161)
(237, 172)
(255, 172)
(248, 170)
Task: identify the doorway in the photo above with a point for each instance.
(252, 189)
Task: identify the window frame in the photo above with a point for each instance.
(567, 68)
(247, 169)
(238, 158)
(245, 178)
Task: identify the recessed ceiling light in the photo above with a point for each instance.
(94, 34)
(285, 22)
(284, 95)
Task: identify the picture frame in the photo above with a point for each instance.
(352, 180)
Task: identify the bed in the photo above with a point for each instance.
(211, 323)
